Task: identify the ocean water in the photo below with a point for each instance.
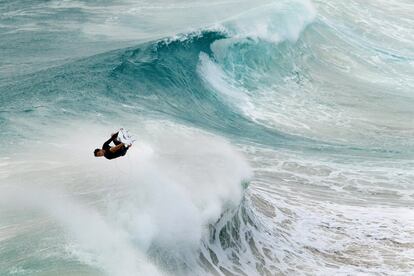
(273, 137)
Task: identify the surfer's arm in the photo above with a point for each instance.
(117, 147)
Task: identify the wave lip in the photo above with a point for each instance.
(274, 22)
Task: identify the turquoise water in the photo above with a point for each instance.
(274, 137)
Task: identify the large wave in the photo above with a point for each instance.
(149, 212)
(157, 201)
(248, 77)
(274, 78)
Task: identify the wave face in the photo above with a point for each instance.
(272, 138)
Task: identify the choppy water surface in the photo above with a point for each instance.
(273, 138)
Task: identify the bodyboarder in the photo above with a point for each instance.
(112, 152)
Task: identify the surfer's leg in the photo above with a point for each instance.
(114, 139)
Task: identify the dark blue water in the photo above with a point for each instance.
(274, 139)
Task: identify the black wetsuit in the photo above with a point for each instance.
(111, 155)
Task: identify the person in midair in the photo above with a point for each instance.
(109, 152)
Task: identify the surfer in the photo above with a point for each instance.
(120, 149)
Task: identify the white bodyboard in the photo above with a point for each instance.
(125, 137)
